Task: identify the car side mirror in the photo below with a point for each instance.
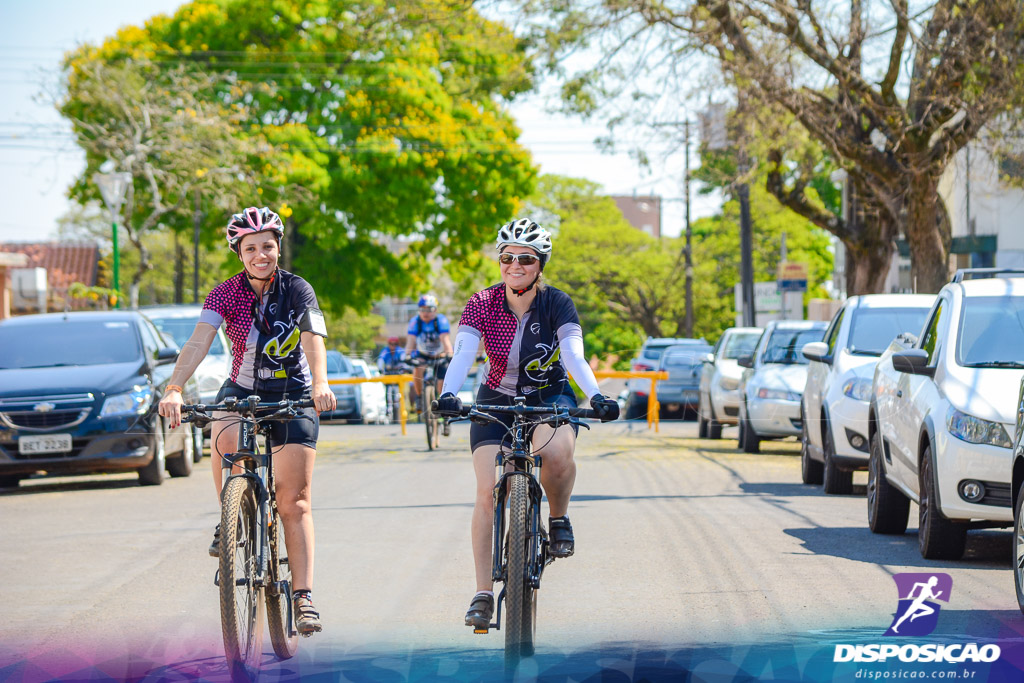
(913, 362)
(709, 358)
(817, 351)
(745, 361)
(167, 354)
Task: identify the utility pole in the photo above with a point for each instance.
(197, 216)
(746, 243)
(689, 236)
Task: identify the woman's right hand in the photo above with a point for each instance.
(170, 407)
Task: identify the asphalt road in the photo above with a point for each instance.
(682, 544)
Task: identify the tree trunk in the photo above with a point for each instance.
(928, 234)
(179, 270)
(867, 266)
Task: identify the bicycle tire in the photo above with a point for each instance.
(429, 418)
(284, 639)
(241, 616)
(520, 596)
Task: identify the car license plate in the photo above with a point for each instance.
(44, 443)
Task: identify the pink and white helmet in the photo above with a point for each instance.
(250, 221)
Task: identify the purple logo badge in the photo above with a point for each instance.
(918, 613)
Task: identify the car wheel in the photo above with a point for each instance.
(181, 465)
(811, 471)
(10, 481)
(702, 425)
(635, 410)
(1018, 548)
(153, 473)
(751, 441)
(197, 443)
(837, 481)
(714, 426)
(938, 538)
(888, 508)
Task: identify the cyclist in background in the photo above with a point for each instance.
(391, 358)
(277, 333)
(428, 337)
(532, 336)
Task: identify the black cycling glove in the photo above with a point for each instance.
(605, 408)
(449, 405)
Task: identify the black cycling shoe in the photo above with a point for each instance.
(481, 609)
(215, 546)
(562, 542)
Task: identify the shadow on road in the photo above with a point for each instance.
(43, 485)
(989, 549)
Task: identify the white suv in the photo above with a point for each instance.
(941, 414)
(834, 438)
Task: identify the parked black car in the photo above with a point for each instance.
(78, 394)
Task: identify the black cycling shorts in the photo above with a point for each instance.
(440, 365)
(296, 430)
(495, 434)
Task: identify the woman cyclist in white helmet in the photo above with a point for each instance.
(277, 342)
(532, 336)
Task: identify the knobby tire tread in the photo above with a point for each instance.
(238, 504)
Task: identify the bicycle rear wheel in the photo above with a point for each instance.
(429, 416)
(520, 596)
(241, 600)
(284, 639)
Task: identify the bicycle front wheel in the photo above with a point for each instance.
(520, 596)
(430, 418)
(241, 599)
(284, 639)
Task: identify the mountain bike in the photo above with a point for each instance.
(520, 541)
(430, 418)
(394, 393)
(252, 568)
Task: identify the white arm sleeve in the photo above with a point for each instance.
(466, 344)
(571, 349)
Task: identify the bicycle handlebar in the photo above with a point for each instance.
(585, 413)
(249, 407)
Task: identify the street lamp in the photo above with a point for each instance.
(113, 187)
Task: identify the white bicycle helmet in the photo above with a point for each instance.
(523, 232)
(253, 220)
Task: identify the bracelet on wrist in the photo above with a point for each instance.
(174, 387)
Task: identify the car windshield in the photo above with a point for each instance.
(655, 351)
(992, 332)
(336, 365)
(784, 345)
(682, 360)
(741, 344)
(873, 329)
(68, 342)
(180, 329)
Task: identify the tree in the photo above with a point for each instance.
(845, 79)
(154, 125)
(394, 111)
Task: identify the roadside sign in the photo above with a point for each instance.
(792, 276)
(769, 304)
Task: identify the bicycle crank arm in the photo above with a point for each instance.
(238, 582)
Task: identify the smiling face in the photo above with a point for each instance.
(259, 253)
(516, 275)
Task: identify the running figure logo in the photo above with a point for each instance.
(917, 614)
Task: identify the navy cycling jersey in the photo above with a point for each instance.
(522, 355)
(265, 331)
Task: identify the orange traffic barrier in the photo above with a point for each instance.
(653, 407)
(400, 380)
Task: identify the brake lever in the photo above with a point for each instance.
(481, 418)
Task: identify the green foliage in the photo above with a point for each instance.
(716, 256)
(366, 121)
(352, 332)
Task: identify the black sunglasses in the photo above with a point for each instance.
(524, 259)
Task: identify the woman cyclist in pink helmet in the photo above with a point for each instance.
(277, 333)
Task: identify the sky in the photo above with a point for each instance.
(39, 160)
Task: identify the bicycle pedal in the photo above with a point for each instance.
(482, 631)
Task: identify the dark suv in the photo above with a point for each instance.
(78, 394)
(649, 358)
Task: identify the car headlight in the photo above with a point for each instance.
(136, 401)
(777, 394)
(975, 430)
(858, 388)
(729, 383)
